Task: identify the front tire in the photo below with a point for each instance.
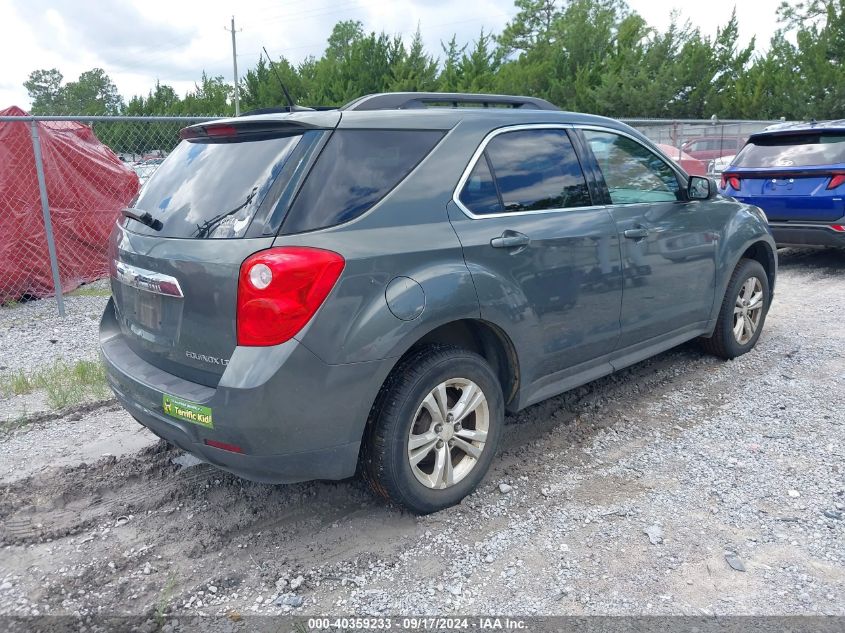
(434, 429)
(743, 312)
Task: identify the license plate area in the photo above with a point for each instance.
(148, 310)
(149, 316)
(149, 303)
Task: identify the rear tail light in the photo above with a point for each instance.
(838, 227)
(280, 289)
(733, 181)
(836, 180)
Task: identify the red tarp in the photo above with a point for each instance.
(87, 185)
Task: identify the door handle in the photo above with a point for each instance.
(510, 239)
(635, 234)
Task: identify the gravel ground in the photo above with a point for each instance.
(35, 335)
(682, 485)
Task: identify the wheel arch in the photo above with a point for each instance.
(762, 252)
(485, 339)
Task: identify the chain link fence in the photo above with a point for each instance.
(64, 180)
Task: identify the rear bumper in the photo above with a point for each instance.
(293, 417)
(806, 234)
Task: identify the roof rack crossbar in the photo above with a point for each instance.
(414, 100)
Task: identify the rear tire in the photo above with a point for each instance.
(434, 429)
(743, 312)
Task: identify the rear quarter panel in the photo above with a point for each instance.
(406, 234)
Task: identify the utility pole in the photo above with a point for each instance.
(235, 66)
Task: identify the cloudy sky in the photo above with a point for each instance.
(139, 41)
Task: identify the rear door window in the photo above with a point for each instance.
(794, 150)
(355, 170)
(480, 194)
(526, 170)
(633, 173)
(212, 190)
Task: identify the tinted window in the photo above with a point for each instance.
(800, 150)
(633, 173)
(479, 194)
(356, 169)
(533, 170)
(712, 144)
(213, 190)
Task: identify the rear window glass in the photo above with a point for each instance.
(356, 169)
(799, 150)
(208, 190)
(715, 144)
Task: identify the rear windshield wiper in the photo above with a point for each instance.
(205, 229)
(144, 218)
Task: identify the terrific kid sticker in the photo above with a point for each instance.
(188, 411)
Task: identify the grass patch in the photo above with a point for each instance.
(164, 599)
(65, 384)
(19, 384)
(90, 291)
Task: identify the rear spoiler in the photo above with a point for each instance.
(808, 131)
(258, 127)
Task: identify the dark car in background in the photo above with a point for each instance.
(298, 296)
(796, 174)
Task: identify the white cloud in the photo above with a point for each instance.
(140, 41)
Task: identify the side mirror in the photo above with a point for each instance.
(701, 188)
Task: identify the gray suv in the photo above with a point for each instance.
(302, 295)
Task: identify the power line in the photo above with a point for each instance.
(313, 12)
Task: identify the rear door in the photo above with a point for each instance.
(215, 200)
(544, 259)
(668, 242)
(792, 177)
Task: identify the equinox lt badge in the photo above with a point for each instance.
(207, 359)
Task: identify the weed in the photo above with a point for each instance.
(164, 599)
(90, 291)
(64, 384)
(21, 419)
(20, 383)
(15, 384)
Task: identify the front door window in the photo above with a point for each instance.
(633, 173)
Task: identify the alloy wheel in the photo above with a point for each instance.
(449, 433)
(748, 310)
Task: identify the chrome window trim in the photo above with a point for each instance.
(148, 280)
(480, 150)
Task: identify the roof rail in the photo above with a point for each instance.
(413, 100)
(284, 109)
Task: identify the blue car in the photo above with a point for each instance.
(796, 174)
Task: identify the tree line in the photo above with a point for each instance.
(596, 56)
